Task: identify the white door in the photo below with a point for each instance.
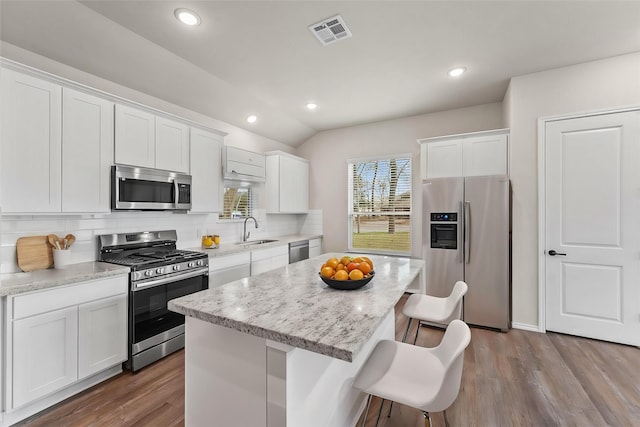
(135, 137)
(102, 334)
(205, 171)
(45, 354)
(592, 187)
(30, 134)
(172, 145)
(87, 152)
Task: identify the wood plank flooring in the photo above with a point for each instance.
(515, 379)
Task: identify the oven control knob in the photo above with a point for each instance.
(191, 264)
(199, 262)
(160, 270)
(176, 267)
(148, 273)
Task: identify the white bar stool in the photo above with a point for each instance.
(420, 377)
(426, 308)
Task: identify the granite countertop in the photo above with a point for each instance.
(17, 283)
(235, 248)
(293, 306)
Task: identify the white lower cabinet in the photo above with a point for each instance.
(102, 338)
(225, 269)
(57, 338)
(315, 247)
(267, 259)
(45, 354)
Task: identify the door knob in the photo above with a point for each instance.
(554, 253)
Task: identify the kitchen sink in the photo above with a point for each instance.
(256, 242)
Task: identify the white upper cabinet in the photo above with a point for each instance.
(287, 183)
(146, 140)
(172, 145)
(205, 171)
(135, 137)
(474, 154)
(87, 152)
(31, 111)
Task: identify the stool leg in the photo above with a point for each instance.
(366, 411)
(406, 331)
(379, 412)
(417, 330)
(427, 419)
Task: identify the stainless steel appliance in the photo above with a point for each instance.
(159, 273)
(298, 251)
(134, 188)
(466, 225)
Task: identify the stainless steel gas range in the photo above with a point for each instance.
(159, 273)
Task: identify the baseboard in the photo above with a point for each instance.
(43, 403)
(526, 327)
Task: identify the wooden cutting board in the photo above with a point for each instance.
(34, 253)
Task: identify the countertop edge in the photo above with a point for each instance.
(19, 283)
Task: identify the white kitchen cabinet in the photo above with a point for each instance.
(45, 354)
(315, 247)
(225, 269)
(287, 183)
(102, 334)
(135, 137)
(206, 176)
(474, 154)
(239, 164)
(31, 110)
(268, 259)
(172, 145)
(58, 337)
(87, 152)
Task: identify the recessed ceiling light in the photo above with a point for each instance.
(252, 118)
(311, 106)
(187, 17)
(458, 71)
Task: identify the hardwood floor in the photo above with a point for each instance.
(515, 379)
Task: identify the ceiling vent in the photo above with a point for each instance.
(330, 30)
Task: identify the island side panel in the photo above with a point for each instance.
(313, 390)
(225, 376)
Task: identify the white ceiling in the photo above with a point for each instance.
(259, 57)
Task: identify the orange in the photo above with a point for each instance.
(345, 260)
(341, 275)
(368, 261)
(327, 272)
(352, 266)
(341, 267)
(332, 262)
(358, 259)
(356, 275)
(364, 267)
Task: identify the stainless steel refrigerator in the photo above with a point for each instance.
(466, 230)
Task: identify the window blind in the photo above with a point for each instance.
(237, 203)
(380, 205)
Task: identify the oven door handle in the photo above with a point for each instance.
(165, 280)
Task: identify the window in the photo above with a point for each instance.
(237, 203)
(380, 205)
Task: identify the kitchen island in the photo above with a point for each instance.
(282, 348)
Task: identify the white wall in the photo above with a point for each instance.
(329, 151)
(599, 85)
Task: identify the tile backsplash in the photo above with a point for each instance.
(190, 228)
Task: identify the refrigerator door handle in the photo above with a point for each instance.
(467, 232)
(460, 252)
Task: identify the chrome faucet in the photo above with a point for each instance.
(245, 234)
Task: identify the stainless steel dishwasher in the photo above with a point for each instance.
(298, 251)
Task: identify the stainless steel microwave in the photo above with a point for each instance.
(134, 188)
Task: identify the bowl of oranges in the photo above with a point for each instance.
(347, 273)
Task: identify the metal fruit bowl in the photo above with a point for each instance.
(347, 285)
